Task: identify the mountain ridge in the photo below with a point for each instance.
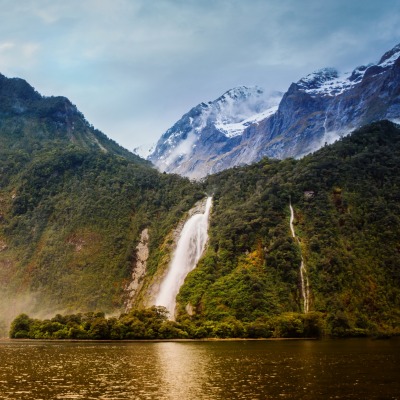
(72, 206)
(72, 217)
(318, 108)
(29, 120)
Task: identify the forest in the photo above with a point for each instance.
(153, 324)
(347, 218)
(73, 204)
(346, 201)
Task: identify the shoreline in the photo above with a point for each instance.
(157, 340)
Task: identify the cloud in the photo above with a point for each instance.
(182, 150)
(14, 54)
(4, 47)
(133, 67)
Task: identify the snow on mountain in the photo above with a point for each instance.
(236, 109)
(390, 57)
(236, 129)
(219, 121)
(246, 124)
(328, 81)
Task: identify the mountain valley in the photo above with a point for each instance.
(85, 225)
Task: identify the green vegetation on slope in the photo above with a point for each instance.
(75, 220)
(29, 122)
(72, 206)
(346, 201)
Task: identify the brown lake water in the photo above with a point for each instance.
(305, 369)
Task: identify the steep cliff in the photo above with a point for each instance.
(318, 109)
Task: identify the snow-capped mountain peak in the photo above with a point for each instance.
(318, 78)
(238, 103)
(246, 123)
(390, 57)
(328, 81)
(239, 107)
(229, 115)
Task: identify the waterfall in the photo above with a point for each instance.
(305, 286)
(190, 247)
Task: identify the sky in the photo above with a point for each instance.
(134, 67)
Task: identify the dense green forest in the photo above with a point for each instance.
(153, 324)
(346, 200)
(73, 205)
(346, 203)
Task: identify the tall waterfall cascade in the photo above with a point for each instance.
(190, 247)
(305, 286)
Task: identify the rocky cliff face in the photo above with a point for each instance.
(325, 106)
(192, 146)
(244, 125)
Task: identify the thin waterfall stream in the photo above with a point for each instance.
(190, 247)
(305, 286)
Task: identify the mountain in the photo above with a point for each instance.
(210, 129)
(346, 207)
(85, 227)
(73, 205)
(29, 121)
(318, 109)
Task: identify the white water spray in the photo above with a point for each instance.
(305, 286)
(190, 247)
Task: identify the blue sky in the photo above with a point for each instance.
(134, 67)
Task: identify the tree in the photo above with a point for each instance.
(20, 327)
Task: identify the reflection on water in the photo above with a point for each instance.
(183, 370)
(342, 369)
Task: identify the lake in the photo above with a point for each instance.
(298, 369)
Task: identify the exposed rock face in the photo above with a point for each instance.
(190, 309)
(139, 270)
(3, 245)
(318, 109)
(191, 147)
